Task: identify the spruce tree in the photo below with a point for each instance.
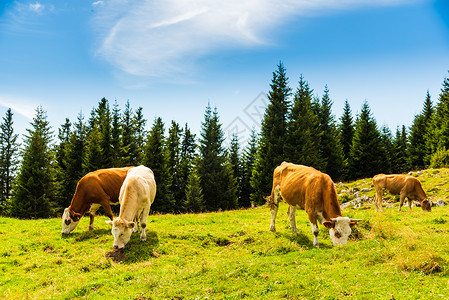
(128, 141)
(188, 148)
(400, 151)
(139, 135)
(174, 164)
(116, 138)
(9, 150)
(74, 158)
(104, 121)
(194, 194)
(346, 134)
(234, 159)
(387, 150)
(331, 150)
(99, 140)
(272, 136)
(156, 158)
(303, 131)
(346, 129)
(217, 181)
(61, 175)
(93, 159)
(33, 190)
(438, 135)
(419, 151)
(248, 159)
(366, 150)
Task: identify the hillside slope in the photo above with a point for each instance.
(232, 254)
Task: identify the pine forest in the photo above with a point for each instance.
(197, 172)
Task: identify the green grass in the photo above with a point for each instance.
(233, 255)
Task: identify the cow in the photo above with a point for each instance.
(306, 188)
(136, 196)
(95, 189)
(403, 185)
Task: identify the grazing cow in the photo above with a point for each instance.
(95, 189)
(403, 185)
(306, 188)
(136, 196)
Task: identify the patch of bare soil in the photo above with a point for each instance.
(117, 255)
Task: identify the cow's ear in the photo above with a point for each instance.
(352, 224)
(131, 224)
(328, 224)
(109, 222)
(76, 217)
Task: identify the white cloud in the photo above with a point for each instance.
(36, 7)
(24, 107)
(165, 38)
(98, 3)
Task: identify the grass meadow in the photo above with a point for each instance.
(233, 255)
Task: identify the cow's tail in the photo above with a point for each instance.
(274, 198)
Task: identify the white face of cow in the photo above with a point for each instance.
(340, 229)
(121, 230)
(67, 223)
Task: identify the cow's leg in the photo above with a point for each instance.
(108, 210)
(136, 224)
(409, 204)
(291, 215)
(143, 223)
(274, 207)
(93, 209)
(274, 211)
(378, 200)
(401, 201)
(315, 229)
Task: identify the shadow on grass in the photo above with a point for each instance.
(87, 234)
(304, 240)
(135, 250)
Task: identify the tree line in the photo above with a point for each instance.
(199, 173)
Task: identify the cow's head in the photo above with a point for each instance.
(340, 229)
(69, 220)
(426, 205)
(121, 230)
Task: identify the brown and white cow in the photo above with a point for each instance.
(306, 188)
(95, 189)
(403, 185)
(136, 196)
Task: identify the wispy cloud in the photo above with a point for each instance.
(36, 7)
(96, 3)
(164, 38)
(24, 107)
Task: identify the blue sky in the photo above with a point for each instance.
(173, 57)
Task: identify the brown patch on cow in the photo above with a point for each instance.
(117, 255)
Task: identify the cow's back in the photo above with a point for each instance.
(306, 187)
(139, 185)
(397, 183)
(137, 192)
(94, 186)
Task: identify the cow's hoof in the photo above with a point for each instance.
(273, 229)
(143, 239)
(91, 227)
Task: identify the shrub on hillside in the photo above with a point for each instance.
(440, 158)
